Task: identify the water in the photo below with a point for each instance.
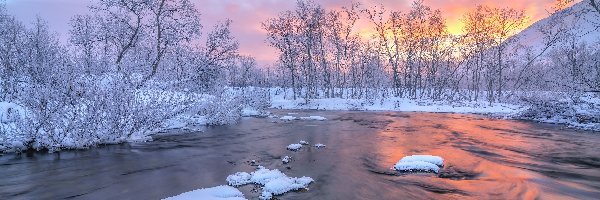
(484, 159)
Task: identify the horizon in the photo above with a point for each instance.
(247, 16)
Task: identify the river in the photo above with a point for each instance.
(484, 159)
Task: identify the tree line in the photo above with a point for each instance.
(411, 54)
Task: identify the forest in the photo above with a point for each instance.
(137, 67)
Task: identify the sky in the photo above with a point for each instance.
(247, 15)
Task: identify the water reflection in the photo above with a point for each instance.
(484, 159)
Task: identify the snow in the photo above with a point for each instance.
(302, 142)
(286, 159)
(274, 182)
(11, 137)
(284, 184)
(416, 166)
(289, 118)
(436, 160)
(390, 104)
(294, 147)
(318, 118)
(222, 192)
(10, 112)
(252, 112)
(427, 163)
(239, 178)
(320, 145)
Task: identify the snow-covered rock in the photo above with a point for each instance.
(284, 184)
(222, 192)
(239, 178)
(317, 118)
(416, 166)
(426, 163)
(274, 182)
(286, 159)
(294, 147)
(436, 160)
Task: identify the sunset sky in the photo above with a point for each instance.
(247, 15)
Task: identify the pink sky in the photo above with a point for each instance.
(247, 15)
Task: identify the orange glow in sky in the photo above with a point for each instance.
(247, 15)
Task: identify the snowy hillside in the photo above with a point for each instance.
(579, 21)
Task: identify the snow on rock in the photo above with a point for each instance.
(286, 159)
(239, 178)
(425, 163)
(302, 142)
(436, 160)
(318, 118)
(274, 182)
(320, 145)
(416, 166)
(289, 118)
(294, 147)
(284, 184)
(222, 192)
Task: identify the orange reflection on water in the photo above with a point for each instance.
(481, 156)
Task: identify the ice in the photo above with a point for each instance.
(318, 118)
(222, 192)
(320, 145)
(416, 166)
(302, 142)
(436, 160)
(288, 118)
(294, 147)
(274, 182)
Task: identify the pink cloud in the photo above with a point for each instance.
(247, 15)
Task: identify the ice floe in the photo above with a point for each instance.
(320, 145)
(302, 142)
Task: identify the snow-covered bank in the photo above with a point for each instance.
(581, 112)
(393, 104)
(135, 118)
